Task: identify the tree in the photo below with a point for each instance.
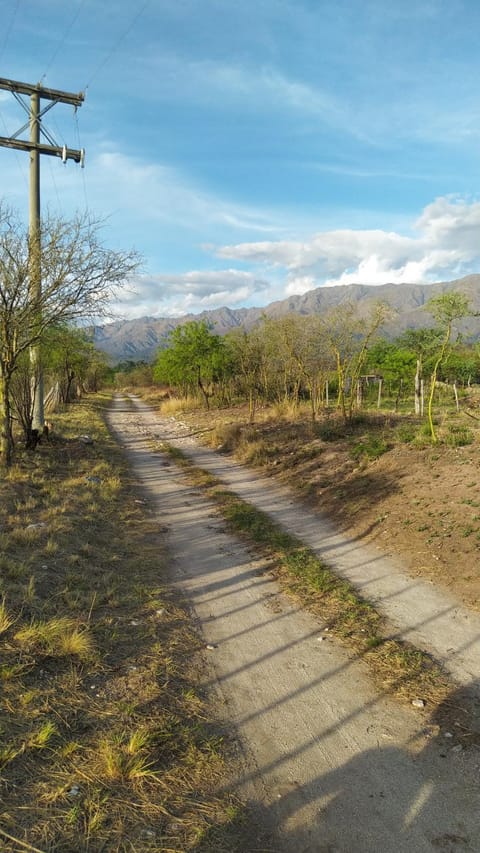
(423, 343)
(67, 353)
(349, 337)
(195, 358)
(79, 277)
(132, 373)
(395, 363)
(247, 353)
(462, 365)
(446, 309)
(281, 335)
(300, 344)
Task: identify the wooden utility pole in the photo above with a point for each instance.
(35, 147)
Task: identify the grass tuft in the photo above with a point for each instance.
(125, 757)
(6, 621)
(56, 637)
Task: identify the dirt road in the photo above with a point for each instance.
(331, 766)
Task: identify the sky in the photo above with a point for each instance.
(250, 151)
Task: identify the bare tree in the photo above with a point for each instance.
(79, 277)
(349, 336)
(248, 354)
(447, 309)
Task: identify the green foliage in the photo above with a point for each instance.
(371, 447)
(195, 358)
(447, 309)
(69, 355)
(395, 363)
(421, 342)
(133, 373)
(247, 355)
(459, 435)
(406, 432)
(462, 364)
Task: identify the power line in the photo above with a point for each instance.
(117, 43)
(9, 28)
(77, 133)
(19, 162)
(63, 38)
(52, 176)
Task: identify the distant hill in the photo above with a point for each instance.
(140, 339)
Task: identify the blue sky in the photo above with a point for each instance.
(250, 151)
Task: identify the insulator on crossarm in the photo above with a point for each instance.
(82, 158)
(64, 154)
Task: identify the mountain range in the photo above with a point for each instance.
(139, 340)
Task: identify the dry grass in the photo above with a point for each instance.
(5, 619)
(56, 637)
(105, 739)
(161, 399)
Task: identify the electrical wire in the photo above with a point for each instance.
(17, 156)
(64, 38)
(9, 28)
(79, 146)
(52, 175)
(117, 43)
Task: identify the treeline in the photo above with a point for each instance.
(340, 359)
(71, 366)
(48, 285)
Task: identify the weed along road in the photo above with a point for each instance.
(331, 764)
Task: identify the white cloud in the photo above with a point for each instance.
(299, 285)
(125, 188)
(253, 87)
(163, 194)
(445, 244)
(172, 295)
(267, 88)
(441, 244)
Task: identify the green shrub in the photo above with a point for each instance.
(371, 447)
(406, 433)
(458, 435)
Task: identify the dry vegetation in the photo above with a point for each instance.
(106, 742)
(379, 478)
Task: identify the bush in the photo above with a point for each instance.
(459, 436)
(226, 436)
(371, 447)
(406, 433)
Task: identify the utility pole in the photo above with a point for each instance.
(35, 147)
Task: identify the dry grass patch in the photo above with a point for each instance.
(57, 637)
(5, 619)
(105, 738)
